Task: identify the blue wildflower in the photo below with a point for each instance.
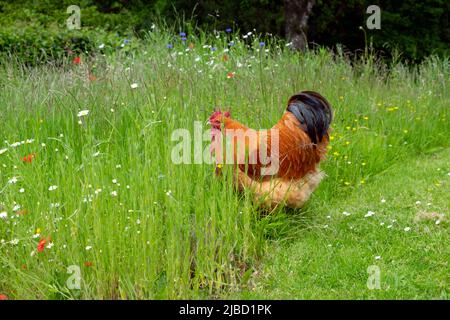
(182, 34)
(213, 48)
(228, 30)
(262, 44)
(183, 38)
(169, 46)
(126, 41)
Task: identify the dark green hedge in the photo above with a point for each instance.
(415, 28)
(36, 31)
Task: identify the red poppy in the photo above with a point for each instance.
(41, 245)
(225, 58)
(92, 77)
(76, 60)
(22, 212)
(88, 264)
(3, 297)
(29, 158)
(230, 75)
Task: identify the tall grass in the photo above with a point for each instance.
(177, 231)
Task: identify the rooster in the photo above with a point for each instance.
(294, 147)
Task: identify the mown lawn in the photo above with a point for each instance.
(97, 193)
(337, 249)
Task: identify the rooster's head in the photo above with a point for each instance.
(217, 118)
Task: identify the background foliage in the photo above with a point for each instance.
(37, 29)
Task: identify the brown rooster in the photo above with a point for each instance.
(279, 165)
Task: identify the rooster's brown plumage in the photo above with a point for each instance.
(302, 136)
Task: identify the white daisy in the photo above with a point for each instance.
(13, 180)
(52, 188)
(134, 85)
(369, 214)
(83, 113)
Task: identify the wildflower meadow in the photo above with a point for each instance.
(93, 206)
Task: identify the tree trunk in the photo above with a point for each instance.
(296, 14)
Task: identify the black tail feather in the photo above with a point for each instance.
(313, 112)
